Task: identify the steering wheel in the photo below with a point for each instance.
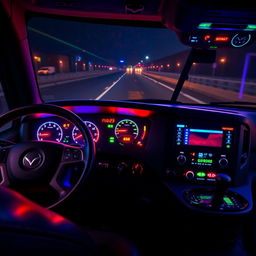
(45, 171)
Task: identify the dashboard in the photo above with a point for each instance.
(105, 129)
(169, 143)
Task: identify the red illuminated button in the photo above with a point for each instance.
(221, 39)
(211, 175)
(207, 37)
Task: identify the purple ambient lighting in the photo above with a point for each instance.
(245, 70)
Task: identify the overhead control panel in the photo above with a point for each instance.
(205, 37)
(212, 23)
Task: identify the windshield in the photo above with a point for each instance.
(83, 60)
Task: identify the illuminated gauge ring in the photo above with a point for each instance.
(94, 130)
(236, 37)
(50, 131)
(126, 128)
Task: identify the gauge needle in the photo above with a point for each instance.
(122, 130)
(44, 134)
(78, 136)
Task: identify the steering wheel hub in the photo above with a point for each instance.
(32, 159)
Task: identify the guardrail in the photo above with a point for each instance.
(219, 82)
(59, 77)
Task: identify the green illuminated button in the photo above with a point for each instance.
(201, 174)
(228, 201)
(228, 146)
(110, 126)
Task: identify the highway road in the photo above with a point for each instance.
(122, 86)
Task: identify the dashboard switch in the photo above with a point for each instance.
(137, 168)
(122, 167)
(190, 175)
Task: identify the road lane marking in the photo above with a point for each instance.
(110, 87)
(171, 89)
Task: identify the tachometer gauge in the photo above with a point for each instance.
(126, 131)
(77, 135)
(49, 131)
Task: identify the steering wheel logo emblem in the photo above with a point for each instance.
(32, 160)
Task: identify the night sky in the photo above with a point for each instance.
(107, 41)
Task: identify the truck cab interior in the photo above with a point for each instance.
(92, 172)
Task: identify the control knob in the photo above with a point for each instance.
(181, 159)
(223, 162)
(189, 175)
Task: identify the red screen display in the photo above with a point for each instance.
(205, 139)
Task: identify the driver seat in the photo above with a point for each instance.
(29, 229)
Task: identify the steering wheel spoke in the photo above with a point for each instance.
(4, 179)
(69, 171)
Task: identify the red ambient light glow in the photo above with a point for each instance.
(110, 110)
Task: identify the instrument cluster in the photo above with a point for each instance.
(117, 130)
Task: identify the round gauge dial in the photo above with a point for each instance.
(49, 131)
(77, 135)
(240, 40)
(126, 131)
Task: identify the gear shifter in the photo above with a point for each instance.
(219, 199)
(222, 183)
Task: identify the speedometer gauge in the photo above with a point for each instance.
(77, 135)
(49, 131)
(126, 131)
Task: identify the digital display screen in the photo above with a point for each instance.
(193, 136)
(201, 158)
(200, 137)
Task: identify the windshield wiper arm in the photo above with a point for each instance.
(183, 77)
(197, 56)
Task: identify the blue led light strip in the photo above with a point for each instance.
(206, 131)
